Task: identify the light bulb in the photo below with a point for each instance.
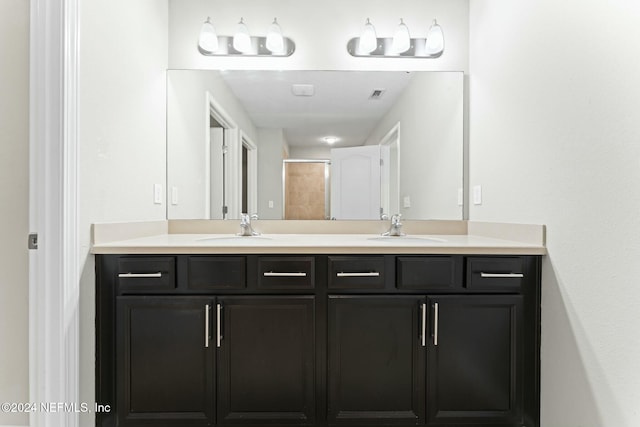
(435, 39)
(368, 38)
(208, 40)
(242, 39)
(275, 41)
(402, 39)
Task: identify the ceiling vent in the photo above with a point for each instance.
(303, 89)
(377, 93)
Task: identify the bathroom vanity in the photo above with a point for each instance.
(358, 330)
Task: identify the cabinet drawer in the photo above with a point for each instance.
(351, 272)
(217, 272)
(495, 273)
(146, 273)
(286, 272)
(428, 272)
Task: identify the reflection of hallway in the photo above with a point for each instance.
(304, 191)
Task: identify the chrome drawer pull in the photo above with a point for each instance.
(501, 275)
(276, 274)
(365, 274)
(140, 275)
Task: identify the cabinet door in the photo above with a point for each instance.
(474, 372)
(266, 359)
(165, 361)
(376, 360)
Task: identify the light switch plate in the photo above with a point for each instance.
(477, 195)
(157, 194)
(406, 202)
(270, 204)
(460, 197)
(174, 195)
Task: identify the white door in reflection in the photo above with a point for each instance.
(355, 182)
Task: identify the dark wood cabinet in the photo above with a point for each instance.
(266, 357)
(165, 361)
(474, 360)
(318, 340)
(375, 360)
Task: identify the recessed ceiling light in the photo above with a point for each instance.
(330, 139)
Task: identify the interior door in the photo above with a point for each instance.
(355, 182)
(216, 174)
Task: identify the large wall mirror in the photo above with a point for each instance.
(314, 144)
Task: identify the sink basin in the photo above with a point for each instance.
(232, 238)
(396, 239)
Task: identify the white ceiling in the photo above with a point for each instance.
(340, 107)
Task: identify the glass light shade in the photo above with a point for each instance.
(208, 40)
(275, 41)
(368, 38)
(242, 39)
(402, 39)
(435, 39)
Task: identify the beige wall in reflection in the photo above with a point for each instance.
(304, 191)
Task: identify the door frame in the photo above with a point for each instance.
(214, 109)
(391, 137)
(54, 268)
(252, 172)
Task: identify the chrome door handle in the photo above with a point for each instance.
(207, 308)
(140, 275)
(501, 275)
(218, 326)
(435, 324)
(424, 325)
(363, 274)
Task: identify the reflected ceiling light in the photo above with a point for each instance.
(275, 41)
(331, 139)
(242, 39)
(435, 40)
(208, 40)
(368, 38)
(402, 39)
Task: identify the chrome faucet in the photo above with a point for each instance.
(396, 226)
(245, 226)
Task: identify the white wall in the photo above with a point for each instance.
(270, 155)
(430, 112)
(122, 127)
(320, 30)
(314, 153)
(555, 139)
(186, 128)
(14, 206)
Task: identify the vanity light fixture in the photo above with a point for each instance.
(435, 40)
(402, 39)
(368, 38)
(242, 43)
(208, 40)
(401, 45)
(242, 39)
(275, 41)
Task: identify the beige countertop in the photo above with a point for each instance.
(467, 238)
